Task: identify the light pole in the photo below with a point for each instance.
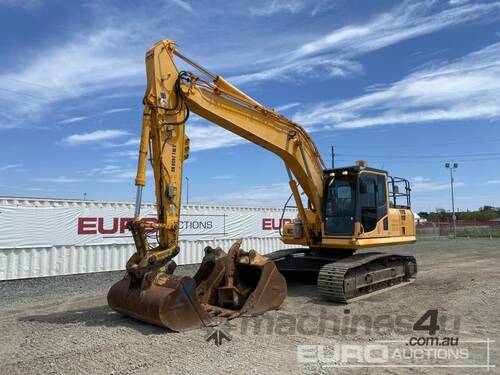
(187, 190)
(452, 167)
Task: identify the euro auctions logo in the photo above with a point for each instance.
(100, 225)
(118, 225)
(467, 354)
(269, 223)
(343, 353)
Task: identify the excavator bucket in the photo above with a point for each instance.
(166, 300)
(239, 283)
(269, 291)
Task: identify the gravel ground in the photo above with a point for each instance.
(63, 324)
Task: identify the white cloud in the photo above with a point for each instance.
(207, 137)
(58, 180)
(465, 89)
(283, 7)
(184, 5)
(73, 119)
(89, 62)
(25, 4)
(9, 166)
(286, 107)
(130, 142)
(109, 55)
(278, 6)
(202, 135)
(422, 184)
(123, 175)
(116, 110)
(223, 177)
(119, 176)
(107, 169)
(409, 20)
(458, 2)
(129, 154)
(493, 182)
(332, 54)
(191, 159)
(34, 189)
(98, 135)
(111, 173)
(273, 195)
(81, 118)
(17, 188)
(299, 69)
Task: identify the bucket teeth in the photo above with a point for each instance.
(219, 311)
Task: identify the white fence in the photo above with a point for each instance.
(49, 237)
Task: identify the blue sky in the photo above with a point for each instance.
(404, 85)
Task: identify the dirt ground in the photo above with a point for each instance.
(62, 325)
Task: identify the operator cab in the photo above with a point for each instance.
(360, 194)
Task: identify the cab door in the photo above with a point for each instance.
(372, 200)
(340, 206)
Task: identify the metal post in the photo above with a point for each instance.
(454, 218)
(187, 190)
(333, 157)
(452, 167)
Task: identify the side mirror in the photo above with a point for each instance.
(363, 187)
(396, 189)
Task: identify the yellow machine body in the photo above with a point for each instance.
(345, 208)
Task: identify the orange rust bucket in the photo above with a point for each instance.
(169, 301)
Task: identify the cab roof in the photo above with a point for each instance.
(355, 169)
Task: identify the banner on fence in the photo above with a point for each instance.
(105, 223)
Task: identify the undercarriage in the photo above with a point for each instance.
(342, 275)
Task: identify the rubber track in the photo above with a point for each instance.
(331, 276)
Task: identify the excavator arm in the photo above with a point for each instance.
(170, 96)
(231, 284)
(163, 138)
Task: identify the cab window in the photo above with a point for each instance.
(340, 206)
(373, 199)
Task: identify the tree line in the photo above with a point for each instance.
(482, 214)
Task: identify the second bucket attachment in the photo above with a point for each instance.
(239, 282)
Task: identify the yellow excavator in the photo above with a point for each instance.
(343, 210)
